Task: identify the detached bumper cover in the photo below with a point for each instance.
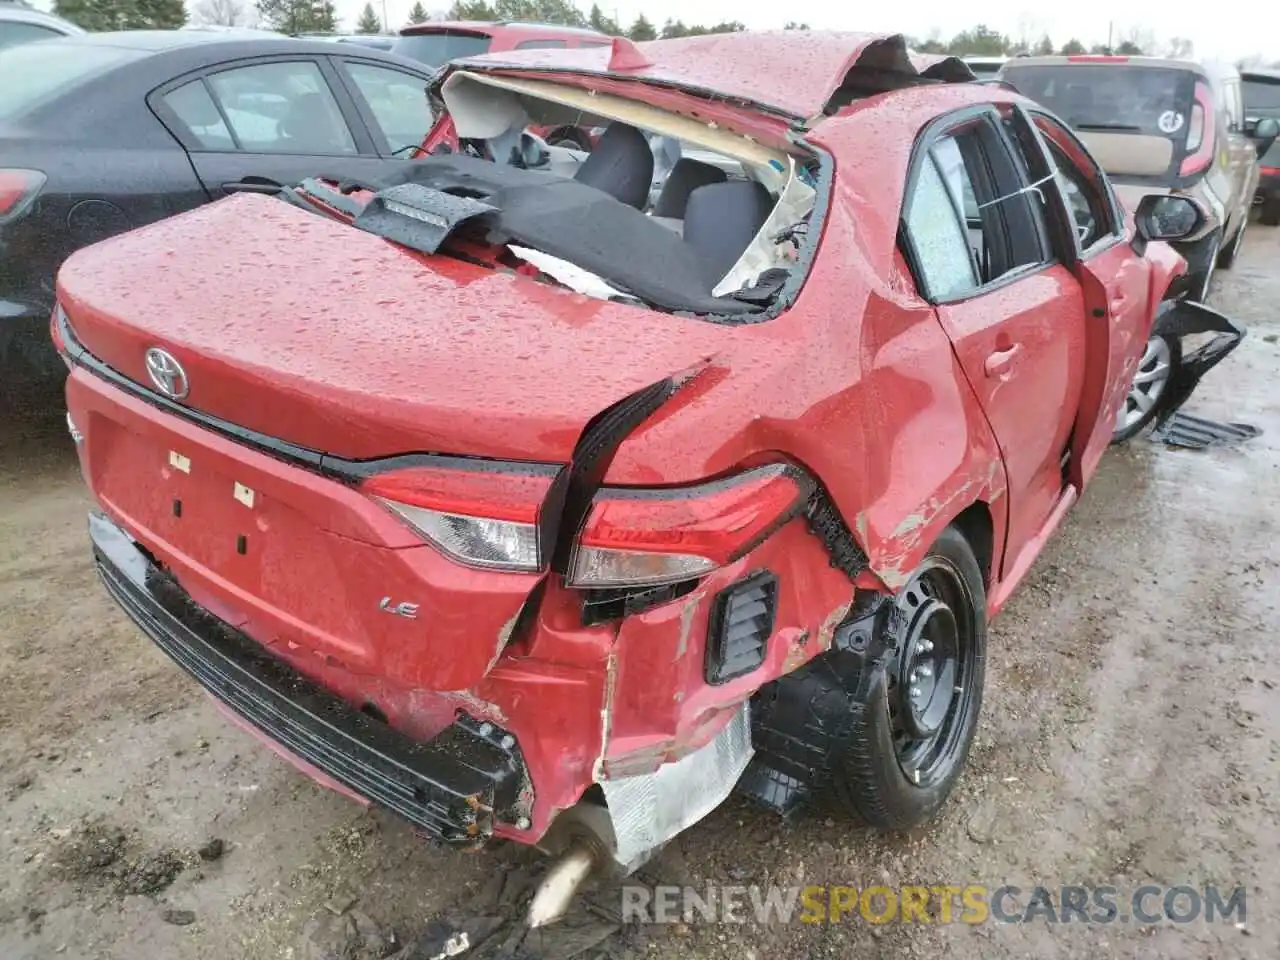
(452, 787)
(1182, 318)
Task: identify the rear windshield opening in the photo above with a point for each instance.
(1262, 97)
(664, 211)
(440, 46)
(1148, 101)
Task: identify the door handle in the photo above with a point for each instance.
(252, 186)
(999, 362)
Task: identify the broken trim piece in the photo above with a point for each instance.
(1182, 318)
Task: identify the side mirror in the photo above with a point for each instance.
(1167, 217)
(534, 151)
(1265, 132)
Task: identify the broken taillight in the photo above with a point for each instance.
(18, 190)
(480, 517)
(489, 517)
(1200, 133)
(646, 537)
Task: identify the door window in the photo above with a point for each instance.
(989, 220)
(282, 108)
(398, 102)
(943, 255)
(1084, 186)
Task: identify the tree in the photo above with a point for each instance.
(1044, 48)
(979, 41)
(1180, 48)
(368, 22)
(324, 17)
(472, 10)
(224, 13)
(123, 14)
(418, 13)
(1072, 48)
(642, 29)
(793, 25)
(597, 21)
(299, 16)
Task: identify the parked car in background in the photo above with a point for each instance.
(985, 68)
(100, 133)
(1262, 101)
(532, 507)
(436, 43)
(376, 40)
(1161, 126)
(19, 24)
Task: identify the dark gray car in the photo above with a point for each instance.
(102, 133)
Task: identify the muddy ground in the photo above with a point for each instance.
(1130, 736)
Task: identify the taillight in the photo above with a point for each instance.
(479, 517)
(18, 189)
(489, 517)
(1201, 139)
(649, 537)
(1269, 171)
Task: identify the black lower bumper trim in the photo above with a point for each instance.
(451, 787)
(1182, 318)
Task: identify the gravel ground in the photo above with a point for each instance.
(1130, 736)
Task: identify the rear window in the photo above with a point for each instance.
(1262, 97)
(30, 76)
(438, 48)
(1151, 101)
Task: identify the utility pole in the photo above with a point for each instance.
(1110, 29)
(386, 27)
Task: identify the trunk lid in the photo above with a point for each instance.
(313, 332)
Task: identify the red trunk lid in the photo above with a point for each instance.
(314, 332)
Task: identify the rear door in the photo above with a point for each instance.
(258, 124)
(392, 103)
(1114, 279)
(1239, 153)
(979, 250)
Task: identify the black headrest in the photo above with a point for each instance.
(685, 177)
(621, 164)
(721, 219)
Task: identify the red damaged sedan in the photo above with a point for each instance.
(554, 498)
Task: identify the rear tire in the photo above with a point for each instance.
(891, 776)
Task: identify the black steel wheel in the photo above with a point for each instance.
(912, 733)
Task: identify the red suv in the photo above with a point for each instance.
(533, 506)
(437, 43)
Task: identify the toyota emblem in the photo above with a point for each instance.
(166, 373)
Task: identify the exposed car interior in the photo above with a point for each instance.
(665, 210)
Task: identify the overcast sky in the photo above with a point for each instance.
(1249, 29)
(1233, 29)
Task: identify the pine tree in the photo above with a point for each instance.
(600, 23)
(157, 15)
(324, 17)
(642, 29)
(368, 22)
(288, 16)
(472, 10)
(418, 13)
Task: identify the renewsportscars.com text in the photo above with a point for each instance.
(942, 903)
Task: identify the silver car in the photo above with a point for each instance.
(21, 24)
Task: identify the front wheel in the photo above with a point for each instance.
(1160, 358)
(911, 735)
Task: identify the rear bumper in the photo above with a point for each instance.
(1268, 189)
(454, 787)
